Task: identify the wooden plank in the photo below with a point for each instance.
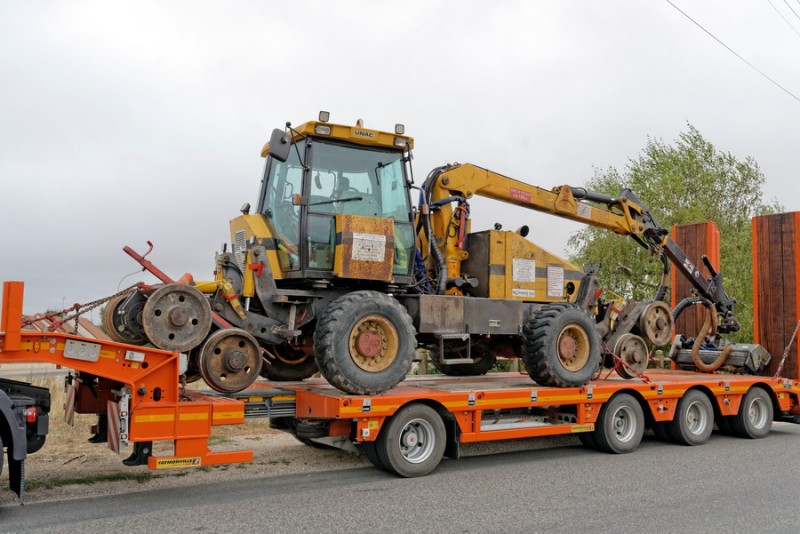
(776, 288)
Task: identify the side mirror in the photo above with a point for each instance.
(279, 145)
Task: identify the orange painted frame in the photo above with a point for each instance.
(150, 376)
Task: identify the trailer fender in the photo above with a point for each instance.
(12, 429)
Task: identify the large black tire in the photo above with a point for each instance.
(561, 346)
(484, 360)
(587, 440)
(288, 364)
(412, 442)
(754, 419)
(694, 419)
(365, 342)
(620, 425)
(369, 449)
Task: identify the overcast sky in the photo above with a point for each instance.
(122, 122)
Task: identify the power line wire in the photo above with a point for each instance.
(776, 84)
(791, 9)
(784, 18)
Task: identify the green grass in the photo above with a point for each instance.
(141, 478)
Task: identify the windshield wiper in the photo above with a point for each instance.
(331, 201)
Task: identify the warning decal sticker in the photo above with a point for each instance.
(369, 247)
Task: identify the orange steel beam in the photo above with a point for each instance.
(148, 378)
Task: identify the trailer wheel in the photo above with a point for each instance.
(561, 346)
(587, 440)
(370, 450)
(620, 425)
(724, 424)
(364, 344)
(694, 419)
(754, 419)
(412, 442)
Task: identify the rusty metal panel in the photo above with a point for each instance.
(364, 247)
(441, 314)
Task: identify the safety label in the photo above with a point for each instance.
(525, 293)
(555, 281)
(523, 270)
(584, 210)
(170, 463)
(369, 247)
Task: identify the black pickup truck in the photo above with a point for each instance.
(24, 422)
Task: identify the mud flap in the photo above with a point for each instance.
(16, 477)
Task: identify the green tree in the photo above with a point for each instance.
(688, 181)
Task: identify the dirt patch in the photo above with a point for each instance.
(82, 469)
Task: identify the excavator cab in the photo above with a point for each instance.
(335, 205)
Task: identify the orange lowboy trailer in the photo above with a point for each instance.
(410, 428)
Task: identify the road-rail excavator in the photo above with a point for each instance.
(335, 272)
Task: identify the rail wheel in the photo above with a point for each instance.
(124, 325)
(754, 419)
(694, 419)
(176, 317)
(285, 363)
(561, 346)
(632, 350)
(620, 425)
(230, 360)
(656, 323)
(412, 442)
(365, 342)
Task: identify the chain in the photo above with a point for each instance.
(56, 318)
(786, 351)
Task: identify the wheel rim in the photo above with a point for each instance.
(374, 343)
(757, 413)
(176, 317)
(229, 360)
(573, 348)
(697, 418)
(417, 441)
(624, 424)
(657, 324)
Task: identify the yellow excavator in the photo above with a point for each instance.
(335, 271)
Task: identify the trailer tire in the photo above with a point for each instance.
(587, 440)
(561, 346)
(620, 425)
(370, 450)
(661, 432)
(724, 424)
(364, 344)
(754, 419)
(412, 442)
(694, 419)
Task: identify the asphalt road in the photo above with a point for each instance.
(726, 485)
